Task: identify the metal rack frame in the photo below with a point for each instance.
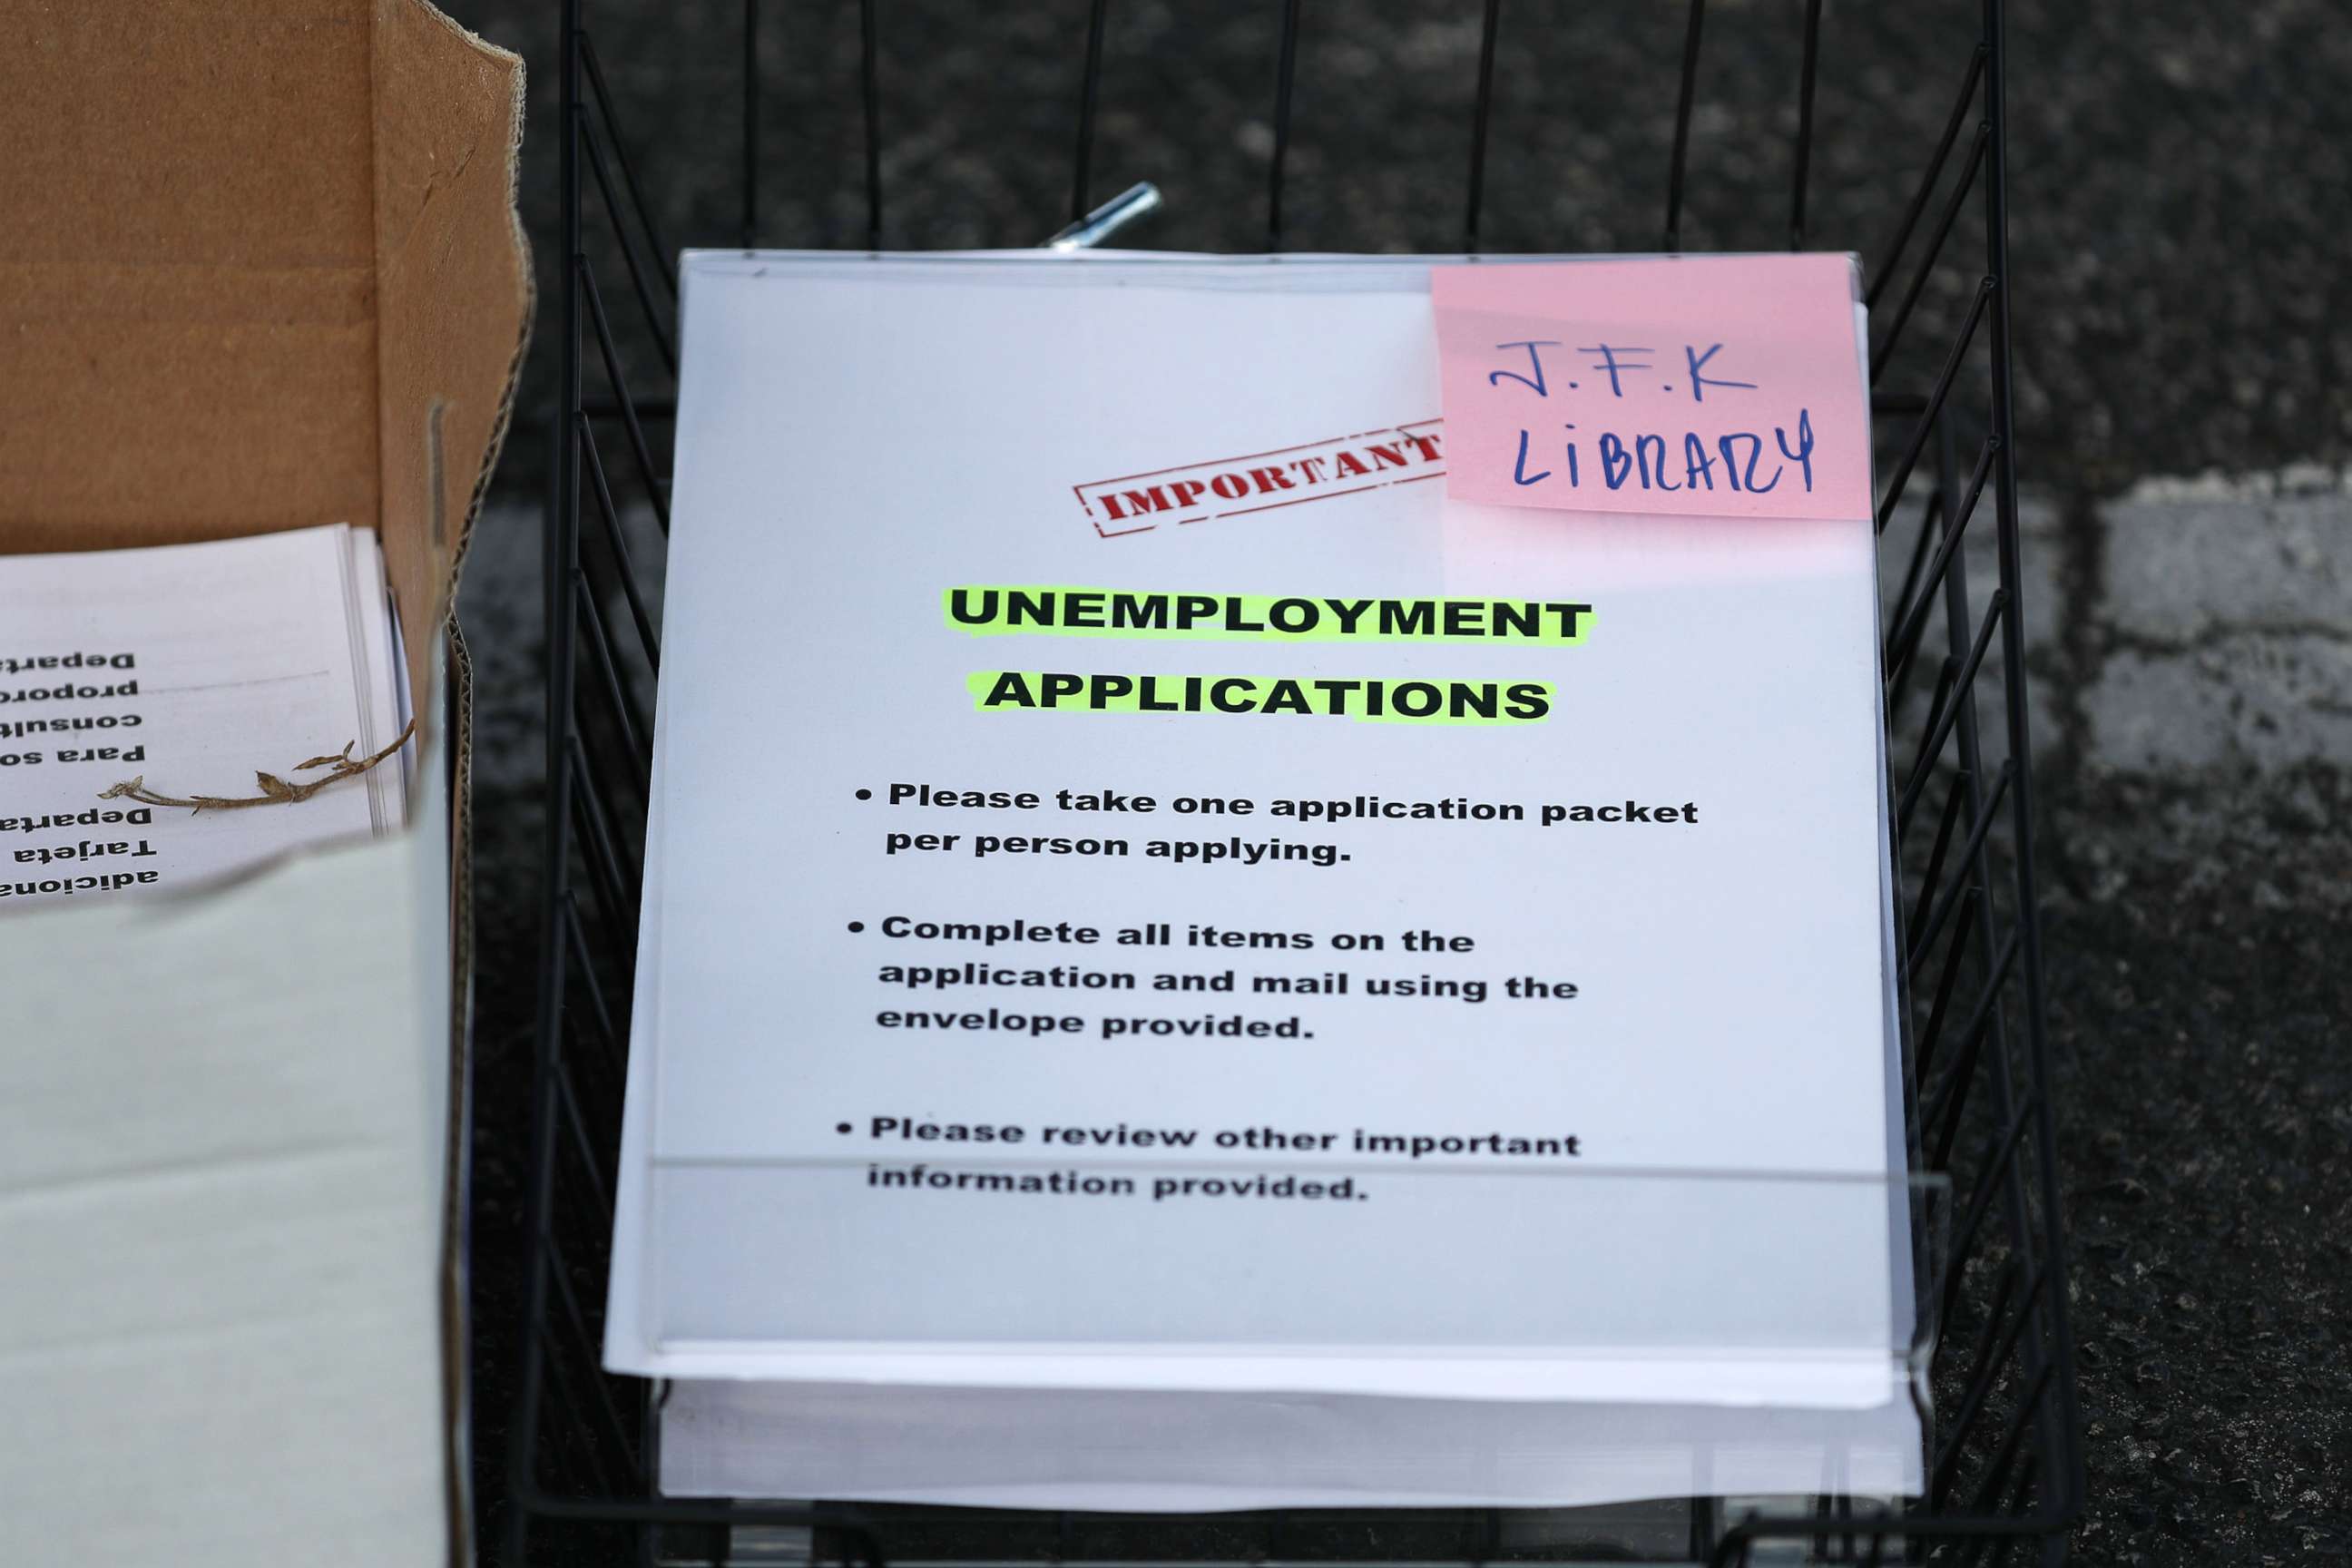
(2004, 1470)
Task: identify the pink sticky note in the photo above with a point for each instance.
(1711, 385)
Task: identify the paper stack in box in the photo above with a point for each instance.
(261, 275)
(176, 713)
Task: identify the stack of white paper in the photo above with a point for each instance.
(1182, 968)
(192, 669)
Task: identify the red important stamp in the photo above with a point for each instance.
(1261, 482)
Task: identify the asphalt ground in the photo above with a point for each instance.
(2178, 180)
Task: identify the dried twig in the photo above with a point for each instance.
(275, 791)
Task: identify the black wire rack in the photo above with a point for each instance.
(2003, 1465)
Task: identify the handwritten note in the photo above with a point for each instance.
(1710, 385)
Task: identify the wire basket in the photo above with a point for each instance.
(2003, 1465)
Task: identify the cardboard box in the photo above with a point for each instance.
(260, 270)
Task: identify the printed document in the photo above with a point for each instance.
(1148, 892)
